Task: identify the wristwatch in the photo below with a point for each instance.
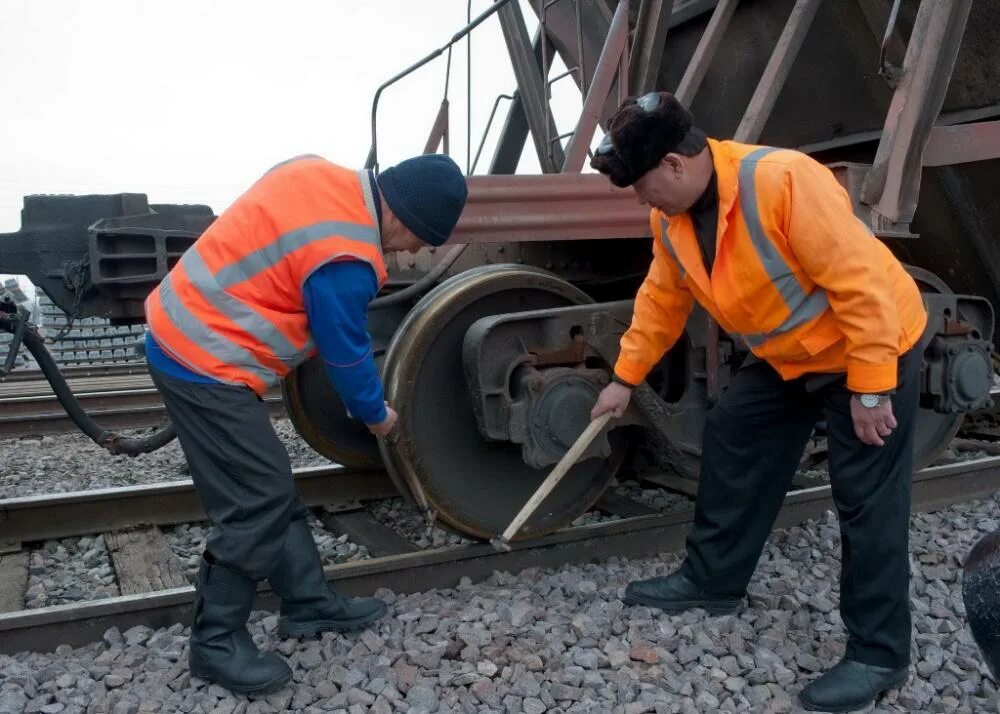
(870, 401)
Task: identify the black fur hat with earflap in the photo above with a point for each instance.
(642, 131)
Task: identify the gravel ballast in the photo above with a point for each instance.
(72, 462)
(80, 569)
(406, 520)
(187, 541)
(561, 641)
(69, 570)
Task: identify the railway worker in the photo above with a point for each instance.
(286, 271)
(766, 241)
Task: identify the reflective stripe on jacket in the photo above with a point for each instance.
(797, 277)
(232, 307)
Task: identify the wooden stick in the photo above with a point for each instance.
(552, 480)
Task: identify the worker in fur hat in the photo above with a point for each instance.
(286, 272)
(766, 241)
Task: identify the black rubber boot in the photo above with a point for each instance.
(676, 593)
(222, 650)
(850, 686)
(308, 604)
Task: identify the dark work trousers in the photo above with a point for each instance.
(240, 470)
(753, 441)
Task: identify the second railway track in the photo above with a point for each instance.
(116, 399)
(396, 563)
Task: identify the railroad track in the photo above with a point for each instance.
(63, 515)
(96, 370)
(396, 563)
(121, 398)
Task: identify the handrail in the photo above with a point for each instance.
(372, 161)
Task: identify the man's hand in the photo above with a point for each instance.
(383, 428)
(613, 398)
(872, 424)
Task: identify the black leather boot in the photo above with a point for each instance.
(676, 593)
(222, 650)
(850, 686)
(308, 604)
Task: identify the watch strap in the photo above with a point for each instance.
(619, 380)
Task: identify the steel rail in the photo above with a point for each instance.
(64, 515)
(31, 409)
(119, 369)
(77, 624)
(91, 385)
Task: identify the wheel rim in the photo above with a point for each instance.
(474, 486)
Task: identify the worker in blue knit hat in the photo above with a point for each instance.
(284, 273)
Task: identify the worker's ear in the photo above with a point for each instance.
(674, 163)
(413, 244)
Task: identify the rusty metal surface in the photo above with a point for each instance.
(439, 134)
(949, 145)
(685, 10)
(981, 114)
(549, 208)
(43, 629)
(651, 25)
(879, 13)
(597, 93)
(573, 353)
(705, 51)
(528, 379)
(623, 75)
(893, 183)
(833, 89)
(471, 483)
(530, 86)
(776, 72)
(514, 133)
(563, 28)
(65, 515)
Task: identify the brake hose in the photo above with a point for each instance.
(114, 442)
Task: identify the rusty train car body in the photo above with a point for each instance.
(495, 347)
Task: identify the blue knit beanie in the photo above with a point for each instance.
(427, 193)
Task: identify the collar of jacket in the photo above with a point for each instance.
(376, 198)
(688, 252)
(727, 174)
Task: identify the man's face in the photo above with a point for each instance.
(396, 236)
(404, 240)
(669, 186)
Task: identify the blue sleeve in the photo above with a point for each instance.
(336, 299)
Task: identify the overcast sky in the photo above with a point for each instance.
(189, 101)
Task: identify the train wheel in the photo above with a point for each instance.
(473, 485)
(321, 419)
(934, 431)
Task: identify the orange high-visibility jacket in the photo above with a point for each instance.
(797, 277)
(232, 307)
